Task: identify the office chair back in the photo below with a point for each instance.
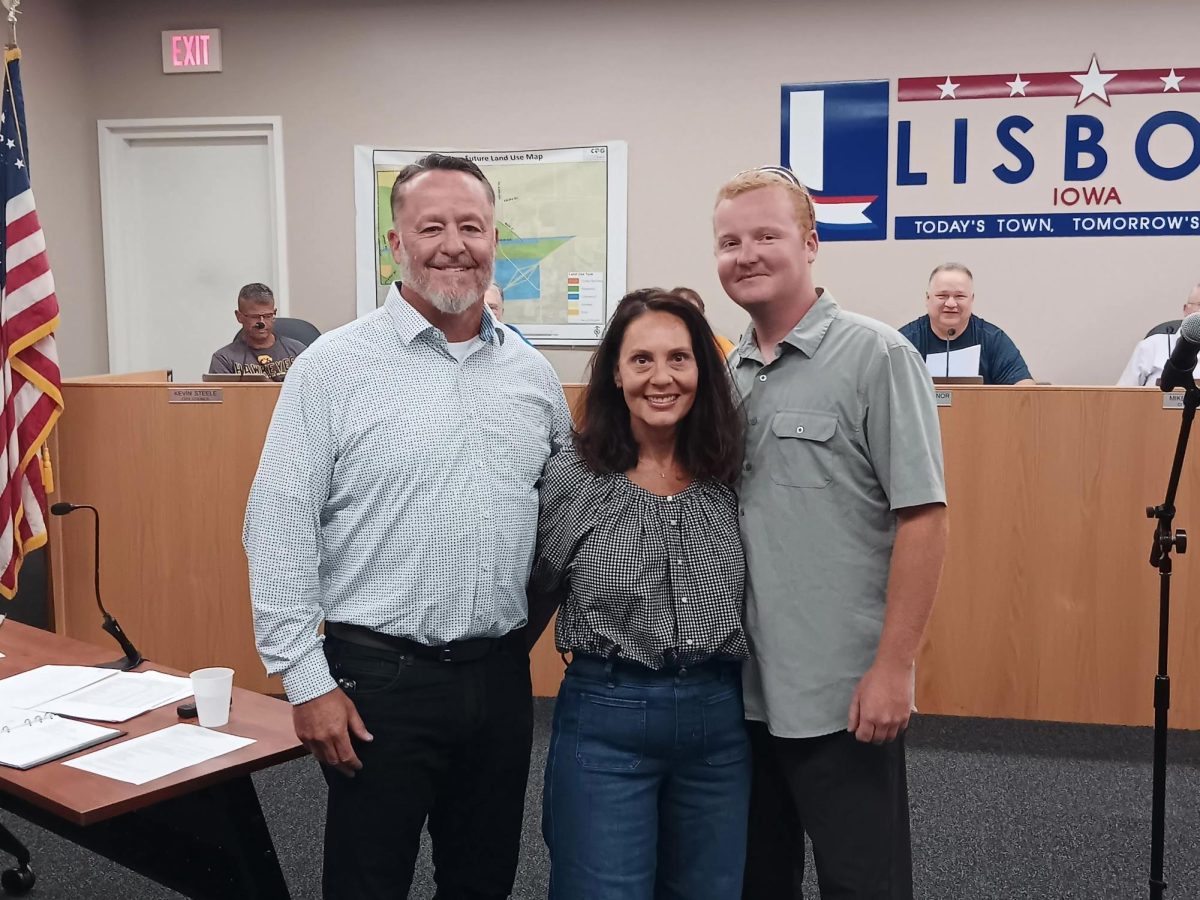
(1161, 328)
(303, 331)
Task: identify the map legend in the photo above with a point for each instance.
(585, 297)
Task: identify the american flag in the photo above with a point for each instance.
(32, 384)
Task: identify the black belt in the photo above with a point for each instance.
(455, 652)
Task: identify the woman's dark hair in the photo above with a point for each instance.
(709, 441)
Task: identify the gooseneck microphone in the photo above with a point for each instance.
(132, 657)
(949, 337)
(1177, 373)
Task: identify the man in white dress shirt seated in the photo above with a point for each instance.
(1150, 355)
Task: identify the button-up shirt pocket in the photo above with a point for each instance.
(800, 452)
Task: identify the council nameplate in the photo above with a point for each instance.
(194, 395)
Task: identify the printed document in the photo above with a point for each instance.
(121, 697)
(155, 755)
(32, 689)
(961, 363)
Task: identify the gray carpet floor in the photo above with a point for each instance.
(1000, 809)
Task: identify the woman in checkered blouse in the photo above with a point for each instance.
(648, 775)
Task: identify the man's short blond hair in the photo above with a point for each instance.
(755, 179)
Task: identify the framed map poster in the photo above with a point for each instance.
(561, 218)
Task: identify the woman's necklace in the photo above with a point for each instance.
(661, 477)
(668, 472)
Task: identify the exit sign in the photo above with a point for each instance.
(193, 50)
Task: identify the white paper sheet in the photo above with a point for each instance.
(33, 689)
(120, 698)
(143, 759)
(962, 362)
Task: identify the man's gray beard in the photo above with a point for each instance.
(452, 304)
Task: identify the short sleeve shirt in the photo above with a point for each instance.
(239, 358)
(1000, 362)
(842, 431)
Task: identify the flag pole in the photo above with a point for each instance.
(27, 345)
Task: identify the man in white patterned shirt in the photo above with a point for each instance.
(396, 501)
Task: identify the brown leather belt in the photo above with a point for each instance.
(455, 652)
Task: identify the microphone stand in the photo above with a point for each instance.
(132, 657)
(1166, 539)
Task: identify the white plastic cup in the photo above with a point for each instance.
(213, 688)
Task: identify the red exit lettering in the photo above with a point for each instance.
(189, 50)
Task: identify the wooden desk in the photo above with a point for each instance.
(1048, 609)
(170, 481)
(199, 831)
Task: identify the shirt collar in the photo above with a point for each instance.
(241, 339)
(808, 333)
(410, 324)
(959, 336)
(490, 321)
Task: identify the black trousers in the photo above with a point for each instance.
(452, 743)
(852, 801)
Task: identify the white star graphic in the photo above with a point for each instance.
(11, 144)
(1171, 81)
(1092, 82)
(20, 163)
(948, 88)
(1017, 86)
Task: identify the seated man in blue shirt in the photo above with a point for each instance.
(950, 331)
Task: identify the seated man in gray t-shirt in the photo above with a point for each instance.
(257, 350)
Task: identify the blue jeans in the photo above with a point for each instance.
(647, 783)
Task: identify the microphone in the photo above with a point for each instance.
(132, 657)
(1179, 368)
(949, 337)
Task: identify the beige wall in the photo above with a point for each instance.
(65, 168)
(692, 86)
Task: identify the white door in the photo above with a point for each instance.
(192, 211)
